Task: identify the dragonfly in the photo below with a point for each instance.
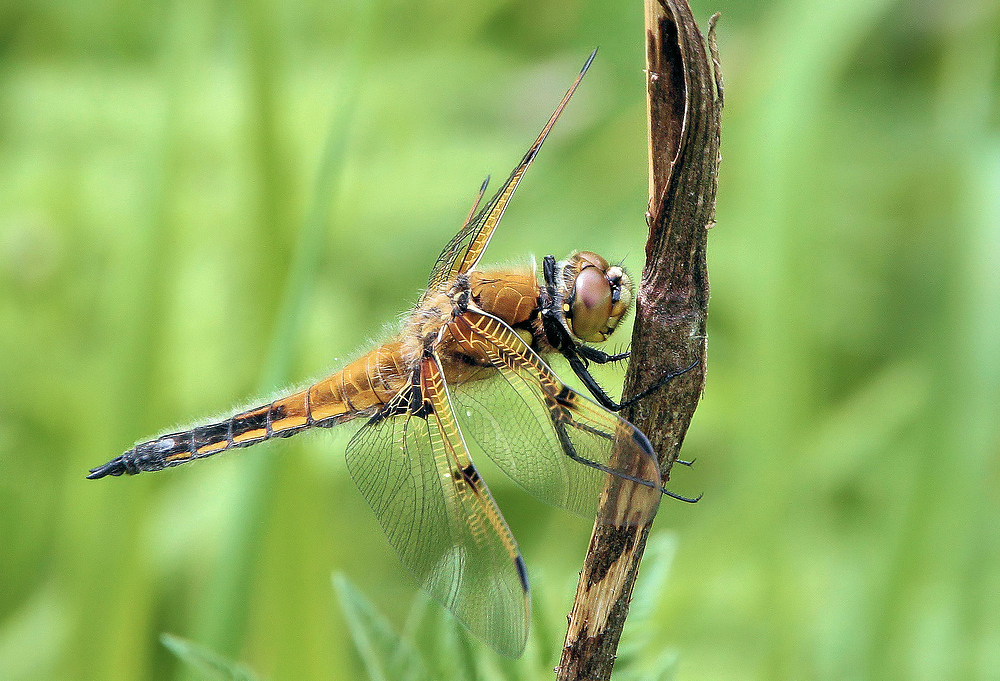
(469, 363)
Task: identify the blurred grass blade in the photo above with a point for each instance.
(642, 625)
(451, 653)
(223, 620)
(385, 654)
(414, 621)
(663, 668)
(30, 639)
(208, 663)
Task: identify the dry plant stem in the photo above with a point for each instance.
(684, 95)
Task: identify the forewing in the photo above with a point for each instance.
(467, 247)
(415, 471)
(514, 428)
(557, 444)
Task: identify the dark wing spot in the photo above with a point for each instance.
(416, 397)
(394, 408)
(565, 397)
(471, 476)
(643, 443)
(423, 411)
(522, 572)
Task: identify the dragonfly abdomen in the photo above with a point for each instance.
(275, 419)
(358, 389)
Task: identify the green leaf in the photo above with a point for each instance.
(663, 668)
(386, 655)
(207, 662)
(642, 627)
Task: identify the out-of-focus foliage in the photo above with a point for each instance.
(160, 163)
(208, 663)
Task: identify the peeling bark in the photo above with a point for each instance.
(684, 99)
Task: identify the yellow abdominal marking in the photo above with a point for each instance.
(213, 447)
(289, 422)
(249, 435)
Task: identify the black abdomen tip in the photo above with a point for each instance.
(114, 467)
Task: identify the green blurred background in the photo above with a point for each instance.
(201, 202)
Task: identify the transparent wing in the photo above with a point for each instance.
(413, 467)
(517, 433)
(557, 444)
(467, 247)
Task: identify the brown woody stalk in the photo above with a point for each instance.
(684, 98)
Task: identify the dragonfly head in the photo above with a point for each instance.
(595, 295)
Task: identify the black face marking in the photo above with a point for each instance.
(247, 422)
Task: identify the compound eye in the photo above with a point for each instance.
(591, 258)
(591, 305)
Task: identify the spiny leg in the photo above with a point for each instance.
(605, 400)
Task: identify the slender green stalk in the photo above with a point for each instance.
(222, 620)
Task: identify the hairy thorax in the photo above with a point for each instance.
(511, 294)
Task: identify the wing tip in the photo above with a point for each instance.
(643, 443)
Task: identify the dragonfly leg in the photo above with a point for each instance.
(580, 369)
(674, 495)
(600, 357)
(570, 451)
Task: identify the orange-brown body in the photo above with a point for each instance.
(363, 386)
(410, 459)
